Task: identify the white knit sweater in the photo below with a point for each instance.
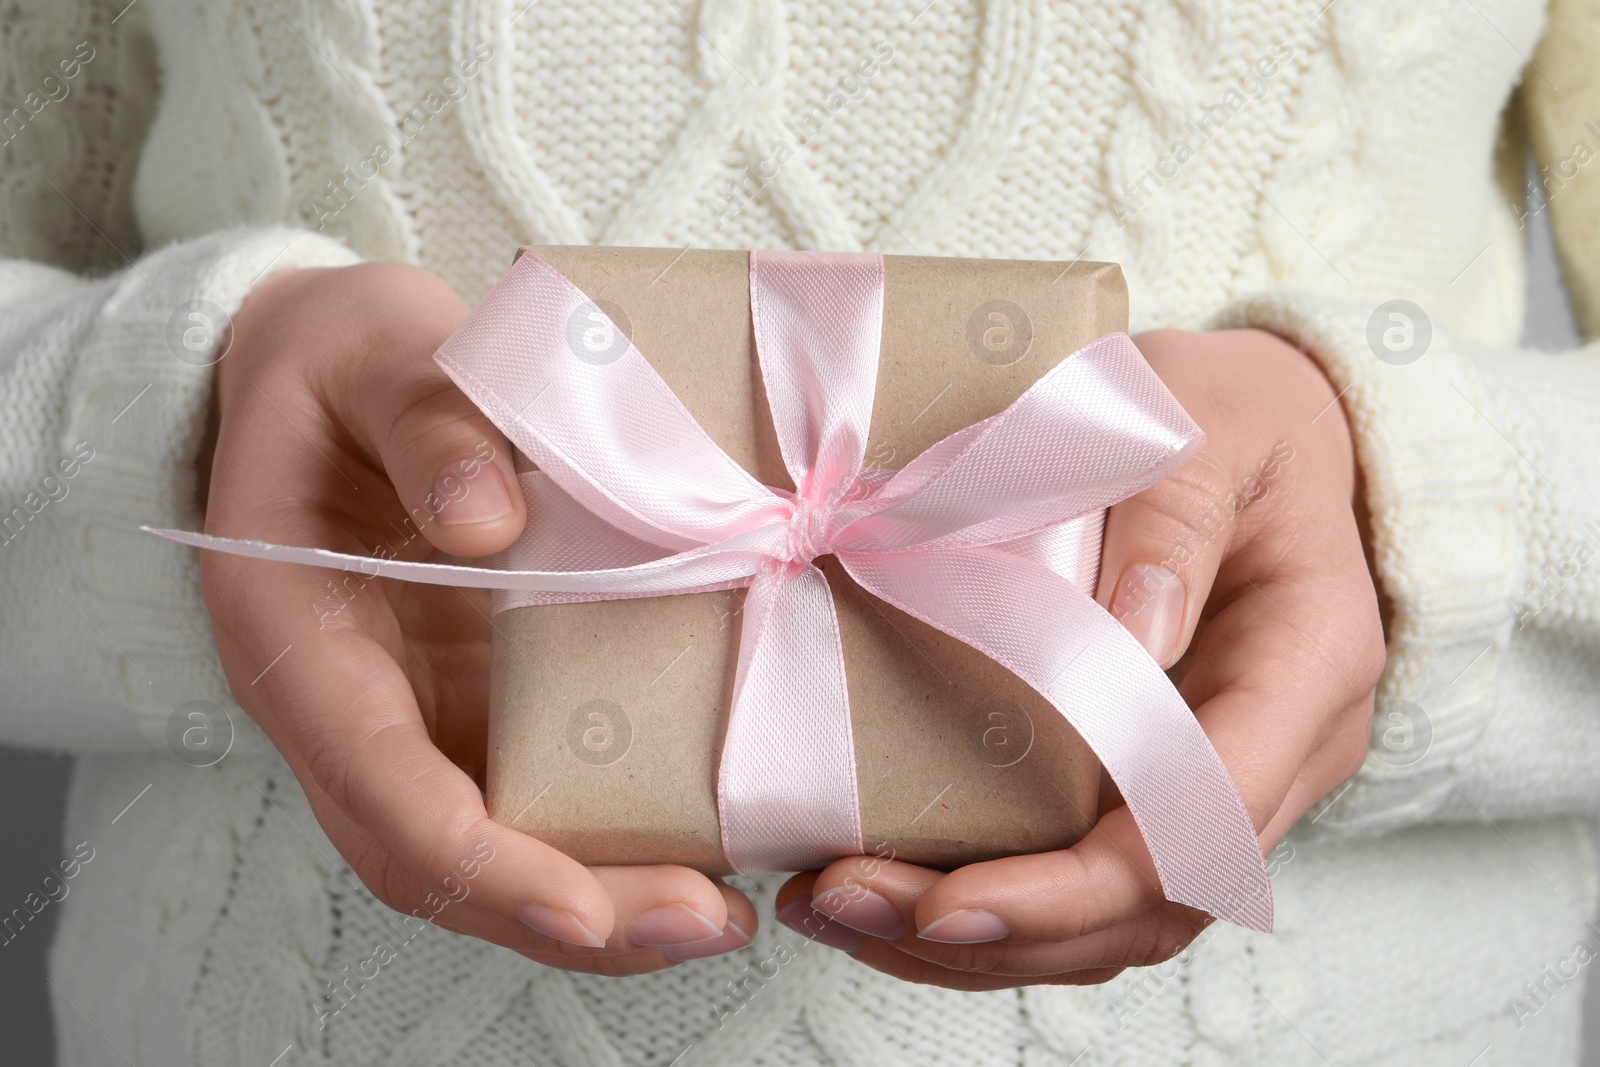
(1259, 163)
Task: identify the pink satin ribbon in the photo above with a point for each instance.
(990, 536)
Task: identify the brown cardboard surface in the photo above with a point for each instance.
(607, 718)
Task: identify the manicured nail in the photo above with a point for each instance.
(1149, 603)
(561, 925)
(966, 927)
(731, 939)
(671, 924)
(860, 908)
(469, 491)
(801, 917)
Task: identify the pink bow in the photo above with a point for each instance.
(983, 536)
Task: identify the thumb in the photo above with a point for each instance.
(1161, 554)
(450, 466)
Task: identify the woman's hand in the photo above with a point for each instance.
(1244, 572)
(337, 430)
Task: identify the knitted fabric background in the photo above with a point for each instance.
(1262, 162)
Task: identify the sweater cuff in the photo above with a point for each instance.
(140, 398)
(1442, 489)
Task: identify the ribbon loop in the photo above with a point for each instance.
(602, 424)
(1094, 431)
(820, 370)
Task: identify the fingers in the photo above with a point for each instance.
(662, 905)
(740, 928)
(884, 913)
(416, 831)
(1106, 879)
(853, 898)
(889, 960)
(345, 716)
(1097, 904)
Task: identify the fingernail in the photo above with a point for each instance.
(731, 939)
(1149, 603)
(966, 927)
(670, 924)
(561, 925)
(471, 490)
(860, 908)
(802, 918)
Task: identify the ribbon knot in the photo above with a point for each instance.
(981, 536)
(807, 535)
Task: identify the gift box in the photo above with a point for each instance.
(736, 633)
(607, 718)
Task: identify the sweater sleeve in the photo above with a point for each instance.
(1482, 475)
(105, 391)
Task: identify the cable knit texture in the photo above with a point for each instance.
(172, 151)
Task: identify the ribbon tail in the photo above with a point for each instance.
(786, 791)
(1063, 644)
(722, 566)
(561, 534)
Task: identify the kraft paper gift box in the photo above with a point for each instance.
(607, 717)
